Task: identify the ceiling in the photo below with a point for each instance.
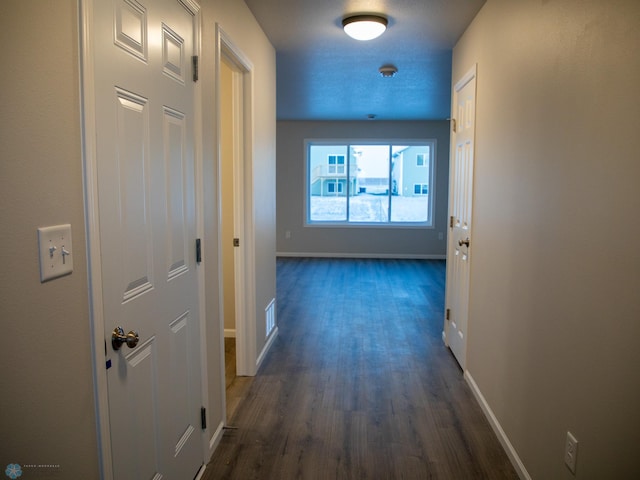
(322, 74)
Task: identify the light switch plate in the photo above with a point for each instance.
(54, 245)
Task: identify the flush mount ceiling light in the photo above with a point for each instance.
(364, 27)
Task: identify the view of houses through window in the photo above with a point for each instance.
(370, 183)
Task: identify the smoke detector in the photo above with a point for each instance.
(388, 71)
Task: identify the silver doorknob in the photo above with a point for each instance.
(464, 242)
(118, 338)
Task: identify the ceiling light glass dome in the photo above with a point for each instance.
(364, 27)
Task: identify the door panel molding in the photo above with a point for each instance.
(89, 147)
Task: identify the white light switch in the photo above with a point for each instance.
(54, 244)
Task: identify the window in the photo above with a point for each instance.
(336, 164)
(421, 189)
(333, 186)
(369, 183)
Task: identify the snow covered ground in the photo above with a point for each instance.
(369, 208)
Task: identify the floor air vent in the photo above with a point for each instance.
(270, 317)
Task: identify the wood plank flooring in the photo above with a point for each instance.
(236, 387)
(359, 385)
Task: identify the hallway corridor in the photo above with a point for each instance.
(359, 384)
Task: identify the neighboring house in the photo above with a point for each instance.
(373, 185)
(328, 171)
(410, 171)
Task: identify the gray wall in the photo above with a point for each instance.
(354, 241)
(47, 404)
(554, 314)
(238, 23)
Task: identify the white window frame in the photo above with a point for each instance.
(430, 163)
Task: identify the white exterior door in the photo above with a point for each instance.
(460, 211)
(144, 115)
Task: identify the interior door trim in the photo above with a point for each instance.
(245, 275)
(90, 187)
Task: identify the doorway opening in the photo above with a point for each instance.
(234, 194)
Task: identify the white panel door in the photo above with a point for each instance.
(144, 97)
(460, 211)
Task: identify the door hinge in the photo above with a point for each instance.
(236, 242)
(451, 221)
(203, 417)
(454, 125)
(447, 314)
(198, 250)
(194, 61)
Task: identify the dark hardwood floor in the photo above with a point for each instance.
(236, 387)
(359, 385)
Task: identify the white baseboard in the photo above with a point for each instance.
(229, 333)
(215, 439)
(201, 472)
(398, 256)
(267, 346)
(497, 428)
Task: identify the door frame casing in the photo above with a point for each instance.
(92, 227)
(244, 262)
